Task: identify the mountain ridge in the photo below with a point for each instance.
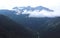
(14, 28)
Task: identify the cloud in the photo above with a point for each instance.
(52, 4)
(43, 13)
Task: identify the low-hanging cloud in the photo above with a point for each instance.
(52, 4)
(45, 14)
(42, 13)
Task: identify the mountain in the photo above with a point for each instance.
(29, 8)
(11, 29)
(47, 27)
(23, 19)
(40, 8)
(52, 29)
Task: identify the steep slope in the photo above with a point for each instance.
(52, 29)
(12, 29)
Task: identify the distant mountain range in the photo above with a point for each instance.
(29, 8)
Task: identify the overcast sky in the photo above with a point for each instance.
(52, 4)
